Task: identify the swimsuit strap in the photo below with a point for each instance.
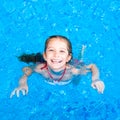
(45, 66)
(59, 78)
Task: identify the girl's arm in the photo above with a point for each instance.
(96, 82)
(22, 82)
(95, 71)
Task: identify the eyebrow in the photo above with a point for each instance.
(60, 48)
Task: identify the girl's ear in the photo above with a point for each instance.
(69, 58)
(44, 56)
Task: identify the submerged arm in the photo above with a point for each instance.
(23, 82)
(96, 82)
(95, 71)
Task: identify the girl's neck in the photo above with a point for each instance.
(53, 73)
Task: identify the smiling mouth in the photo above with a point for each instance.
(56, 61)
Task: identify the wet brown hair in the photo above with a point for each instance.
(61, 37)
(31, 58)
(38, 57)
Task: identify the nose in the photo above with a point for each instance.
(56, 54)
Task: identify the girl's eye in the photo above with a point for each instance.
(50, 50)
(62, 51)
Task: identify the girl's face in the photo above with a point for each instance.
(57, 54)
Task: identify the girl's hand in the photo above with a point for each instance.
(99, 85)
(23, 89)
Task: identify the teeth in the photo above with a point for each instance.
(56, 61)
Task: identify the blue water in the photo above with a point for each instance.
(24, 27)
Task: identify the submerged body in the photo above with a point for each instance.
(60, 77)
(56, 68)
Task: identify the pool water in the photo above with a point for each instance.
(24, 27)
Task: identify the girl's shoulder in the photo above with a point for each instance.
(72, 69)
(40, 64)
(69, 66)
(75, 70)
(39, 67)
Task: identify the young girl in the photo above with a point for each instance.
(55, 66)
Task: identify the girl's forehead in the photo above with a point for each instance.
(57, 41)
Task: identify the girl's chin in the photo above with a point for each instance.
(57, 68)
